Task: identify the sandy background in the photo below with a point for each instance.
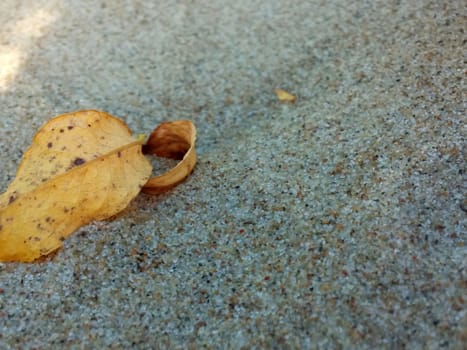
(335, 222)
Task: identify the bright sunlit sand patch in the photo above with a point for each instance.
(22, 35)
(9, 64)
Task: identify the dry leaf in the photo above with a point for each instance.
(285, 96)
(81, 167)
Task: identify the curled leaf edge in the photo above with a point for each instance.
(172, 131)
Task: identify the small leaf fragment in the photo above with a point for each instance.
(172, 140)
(285, 96)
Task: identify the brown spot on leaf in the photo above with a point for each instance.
(11, 199)
(78, 161)
(70, 127)
(49, 145)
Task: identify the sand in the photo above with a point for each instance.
(335, 222)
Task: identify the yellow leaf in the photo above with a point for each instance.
(84, 166)
(285, 96)
(172, 140)
(80, 167)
